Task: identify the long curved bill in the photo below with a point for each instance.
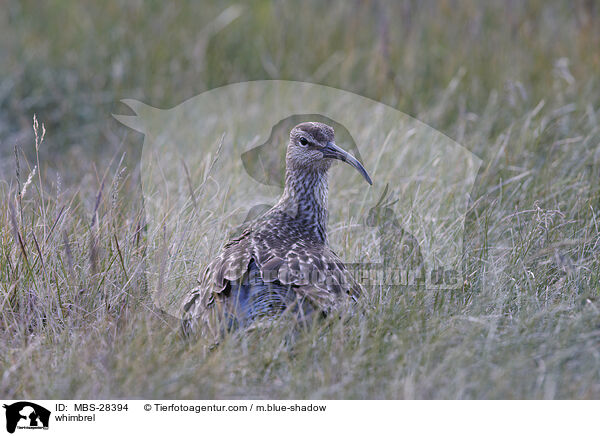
(332, 151)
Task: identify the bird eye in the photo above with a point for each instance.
(303, 140)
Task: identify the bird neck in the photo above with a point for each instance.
(305, 199)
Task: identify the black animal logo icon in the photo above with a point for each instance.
(26, 414)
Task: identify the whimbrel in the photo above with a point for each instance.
(282, 261)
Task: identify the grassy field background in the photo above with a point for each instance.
(517, 84)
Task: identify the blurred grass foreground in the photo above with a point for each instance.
(517, 84)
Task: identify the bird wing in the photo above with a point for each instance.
(282, 255)
(231, 264)
(312, 268)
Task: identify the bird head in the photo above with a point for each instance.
(312, 147)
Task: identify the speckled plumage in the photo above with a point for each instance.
(282, 261)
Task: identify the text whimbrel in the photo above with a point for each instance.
(282, 261)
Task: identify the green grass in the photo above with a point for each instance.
(518, 85)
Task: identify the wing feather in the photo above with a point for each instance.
(282, 255)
